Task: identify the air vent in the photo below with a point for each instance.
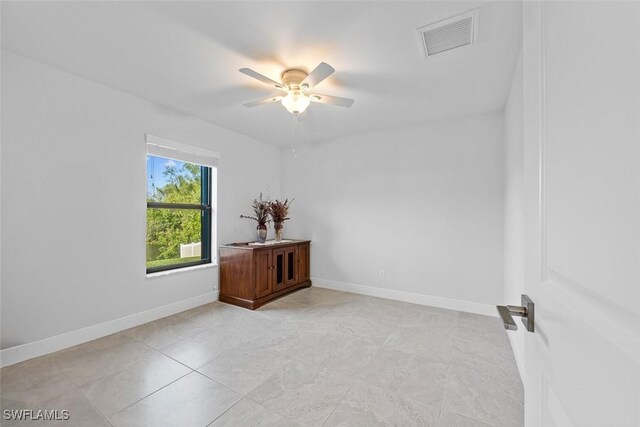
(450, 33)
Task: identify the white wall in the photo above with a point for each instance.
(424, 204)
(514, 205)
(73, 175)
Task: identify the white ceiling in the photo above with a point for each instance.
(186, 55)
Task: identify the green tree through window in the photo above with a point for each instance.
(178, 214)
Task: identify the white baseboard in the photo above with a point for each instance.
(448, 303)
(19, 353)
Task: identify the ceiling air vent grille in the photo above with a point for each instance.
(448, 34)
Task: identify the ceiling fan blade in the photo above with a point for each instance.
(321, 72)
(264, 79)
(333, 100)
(263, 101)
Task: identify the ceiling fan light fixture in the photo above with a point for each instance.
(295, 102)
(297, 83)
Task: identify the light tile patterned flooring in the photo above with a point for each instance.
(313, 358)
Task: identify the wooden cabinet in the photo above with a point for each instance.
(278, 270)
(262, 265)
(252, 275)
(304, 261)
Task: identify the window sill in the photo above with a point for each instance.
(213, 264)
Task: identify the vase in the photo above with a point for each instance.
(262, 233)
(278, 226)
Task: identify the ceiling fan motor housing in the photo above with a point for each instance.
(292, 78)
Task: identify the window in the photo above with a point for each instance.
(179, 210)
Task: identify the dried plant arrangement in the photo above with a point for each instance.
(279, 210)
(261, 210)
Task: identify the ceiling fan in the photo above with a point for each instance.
(297, 84)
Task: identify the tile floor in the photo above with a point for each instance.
(314, 358)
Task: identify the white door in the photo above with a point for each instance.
(582, 204)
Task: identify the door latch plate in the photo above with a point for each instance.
(528, 321)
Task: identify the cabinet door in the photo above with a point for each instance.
(278, 269)
(304, 270)
(290, 266)
(263, 267)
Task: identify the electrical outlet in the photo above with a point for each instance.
(382, 274)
